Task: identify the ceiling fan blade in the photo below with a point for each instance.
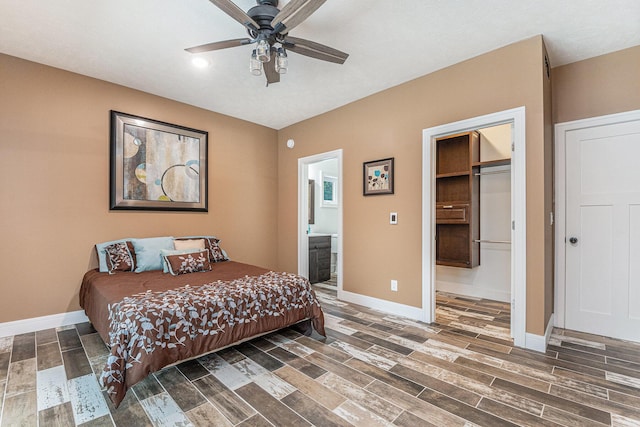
(230, 8)
(315, 50)
(270, 72)
(293, 13)
(218, 45)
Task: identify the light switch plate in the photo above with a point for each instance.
(393, 218)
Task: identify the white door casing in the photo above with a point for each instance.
(515, 116)
(598, 286)
(303, 212)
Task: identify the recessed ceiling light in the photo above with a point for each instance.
(200, 62)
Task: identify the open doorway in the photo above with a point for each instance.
(320, 219)
(515, 119)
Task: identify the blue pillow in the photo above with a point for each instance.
(169, 252)
(148, 252)
(102, 254)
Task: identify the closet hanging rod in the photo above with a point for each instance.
(492, 241)
(492, 173)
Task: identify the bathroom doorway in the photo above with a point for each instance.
(320, 219)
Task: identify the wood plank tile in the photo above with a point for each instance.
(453, 391)
(407, 419)
(283, 355)
(24, 347)
(85, 328)
(453, 367)
(76, 363)
(596, 402)
(180, 388)
(93, 345)
(313, 412)
(129, 413)
(225, 372)
(359, 416)
(21, 377)
(147, 387)
(426, 411)
(4, 365)
(69, 339)
(256, 421)
(6, 344)
(225, 400)
(383, 343)
(370, 401)
(259, 356)
(311, 388)
(103, 421)
(163, 411)
(387, 377)
(327, 350)
(365, 356)
(467, 412)
(86, 399)
(269, 407)
(308, 368)
(206, 416)
(341, 370)
(517, 417)
(504, 374)
(46, 336)
(52, 387)
(274, 385)
(553, 401)
(567, 419)
(20, 410)
(48, 356)
(192, 369)
(60, 415)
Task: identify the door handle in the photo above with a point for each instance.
(573, 240)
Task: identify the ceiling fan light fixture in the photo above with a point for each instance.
(282, 62)
(263, 50)
(255, 66)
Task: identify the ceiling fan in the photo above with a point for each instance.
(269, 28)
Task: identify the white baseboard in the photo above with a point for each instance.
(473, 291)
(390, 307)
(539, 342)
(40, 323)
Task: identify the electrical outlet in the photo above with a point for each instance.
(394, 285)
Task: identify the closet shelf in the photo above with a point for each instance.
(452, 174)
(499, 162)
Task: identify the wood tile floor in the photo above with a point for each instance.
(374, 369)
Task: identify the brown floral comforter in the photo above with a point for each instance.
(151, 320)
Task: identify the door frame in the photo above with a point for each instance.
(560, 170)
(303, 212)
(516, 117)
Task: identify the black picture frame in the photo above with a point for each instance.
(378, 177)
(157, 166)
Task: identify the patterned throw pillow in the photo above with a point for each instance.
(188, 263)
(215, 251)
(120, 257)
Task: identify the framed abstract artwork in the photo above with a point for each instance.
(378, 177)
(157, 165)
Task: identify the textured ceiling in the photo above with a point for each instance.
(140, 44)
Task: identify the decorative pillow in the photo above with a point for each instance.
(188, 263)
(165, 252)
(102, 256)
(189, 244)
(148, 252)
(120, 257)
(216, 253)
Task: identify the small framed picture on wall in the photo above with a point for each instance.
(378, 177)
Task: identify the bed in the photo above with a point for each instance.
(152, 319)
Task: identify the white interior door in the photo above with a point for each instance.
(602, 280)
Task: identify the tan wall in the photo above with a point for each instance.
(390, 124)
(598, 86)
(54, 184)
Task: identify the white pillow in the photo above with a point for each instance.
(188, 244)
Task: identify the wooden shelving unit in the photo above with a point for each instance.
(458, 199)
